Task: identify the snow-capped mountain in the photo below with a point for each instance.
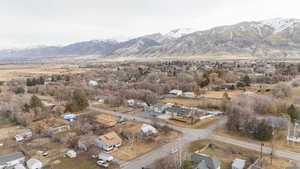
(269, 38)
(177, 33)
(280, 24)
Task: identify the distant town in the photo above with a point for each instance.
(239, 114)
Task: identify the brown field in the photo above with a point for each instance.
(279, 141)
(200, 124)
(224, 152)
(10, 72)
(131, 150)
(83, 161)
(219, 94)
(208, 103)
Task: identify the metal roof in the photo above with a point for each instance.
(11, 157)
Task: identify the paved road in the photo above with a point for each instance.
(189, 135)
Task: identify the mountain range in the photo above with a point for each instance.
(268, 38)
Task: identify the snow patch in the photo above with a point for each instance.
(177, 33)
(280, 24)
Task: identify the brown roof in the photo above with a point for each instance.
(107, 119)
(111, 138)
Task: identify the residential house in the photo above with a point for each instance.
(136, 103)
(203, 161)
(93, 83)
(189, 94)
(176, 92)
(106, 120)
(109, 141)
(69, 117)
(71, 154)
(238, 164)
(181, 113)
(34, 163)
(85, 142)
(160, 107)
(23, 136)
(148, 130)
(11, 160)
(294, 133)
(59, 129)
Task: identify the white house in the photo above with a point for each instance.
(189, 94)
(71, 154)
(176, 92)
(93, 83)
(238, 164)
(147, 129)
(11, 160)
(108, 141)
(25, 135)
(105, 157)
(294, 133)
(34, 163)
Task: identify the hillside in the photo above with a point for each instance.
(269, 38)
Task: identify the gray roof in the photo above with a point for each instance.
(255, 167)
(11, 157)
(293, 168)
(211, 162)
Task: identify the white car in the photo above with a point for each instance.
(102, 163)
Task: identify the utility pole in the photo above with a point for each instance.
(261, 154)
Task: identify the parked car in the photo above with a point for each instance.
(102, 163)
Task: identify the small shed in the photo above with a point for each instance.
(148, 129)
(93, 83)
(71, 154)
(176, 92)
(238, 164)
(34, 163)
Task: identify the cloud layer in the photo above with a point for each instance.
(57, 22)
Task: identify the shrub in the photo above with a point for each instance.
(264, 131)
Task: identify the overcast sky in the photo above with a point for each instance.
(26, 23)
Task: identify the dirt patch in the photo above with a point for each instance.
(220, 94)
(82, 161)
(200, 124)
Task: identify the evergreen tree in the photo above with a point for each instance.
(79, 102)
(20, 90)
(29, 82)
(246, 80)
(264, 131)
(292, 112)
(35, 102)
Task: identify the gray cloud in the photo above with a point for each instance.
(34, 22)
